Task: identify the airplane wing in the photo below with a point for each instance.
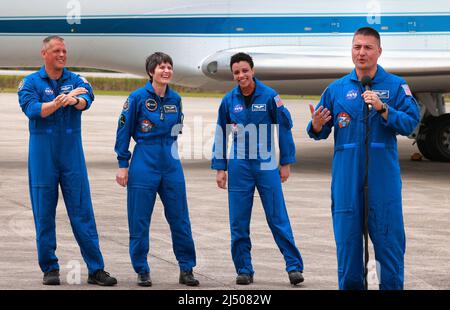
(317, 62)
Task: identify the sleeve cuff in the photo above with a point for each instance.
(87, 99)
(219, 166)
(311, 132)
(392, 113)
(123, 164)
(36, 110)
(287, 161)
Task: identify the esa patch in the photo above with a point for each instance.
(343, 120)
(238, 108)
(122, 120)
(151, 105)
(65, 89)
(21, 84)
(170, 109)
(258, 107)
(146, 126)
(126, 105)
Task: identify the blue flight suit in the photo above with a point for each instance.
(251, 163)
(154, 123)
(56, 157)
(343, 98)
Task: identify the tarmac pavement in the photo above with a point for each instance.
(426, 203)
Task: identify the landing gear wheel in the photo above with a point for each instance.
(434, 141)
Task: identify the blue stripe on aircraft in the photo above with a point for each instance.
(227, 25)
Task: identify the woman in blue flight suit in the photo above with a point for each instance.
(152, 116)
(252, 163)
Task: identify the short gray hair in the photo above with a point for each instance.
(47, 40)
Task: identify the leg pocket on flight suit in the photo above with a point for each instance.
(345, 174)
(176, 194)
(379, 221)
(37, 199)
(272, 204)
(139, 210)
(72, 193)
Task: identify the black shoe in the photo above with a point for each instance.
(102, 278)
(296, 277)
(244, 279)
(187, 278)
(143, 279)
(51, 278)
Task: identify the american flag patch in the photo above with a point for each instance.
(406, 89)
(84, 80)
(278, 101)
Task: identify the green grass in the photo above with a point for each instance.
(124, 86)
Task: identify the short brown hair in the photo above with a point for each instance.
(154, 60)
(368, 31)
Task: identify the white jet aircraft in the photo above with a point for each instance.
(299, 47)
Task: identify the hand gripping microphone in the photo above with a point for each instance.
(366, 82)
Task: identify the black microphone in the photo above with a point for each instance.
(366, 82)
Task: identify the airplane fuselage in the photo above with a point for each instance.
(119, 36)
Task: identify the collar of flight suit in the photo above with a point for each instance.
(259, 89)
(149, 88)
(44, 75)
(378, 78)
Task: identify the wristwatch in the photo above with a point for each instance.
(383, 109)
(78, 101)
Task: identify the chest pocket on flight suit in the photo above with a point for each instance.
(148, 118)
(47, 95)
(259, 113)
(171, 114)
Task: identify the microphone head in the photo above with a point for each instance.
(366, 81)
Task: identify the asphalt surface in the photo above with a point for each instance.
(426, 202)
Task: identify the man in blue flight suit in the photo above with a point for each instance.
(249, 111)
(394, 111)
(53, 99)
(152, 115)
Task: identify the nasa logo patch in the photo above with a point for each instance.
(352, 94)
(238, 108)
(343, 120)
(48, 91)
